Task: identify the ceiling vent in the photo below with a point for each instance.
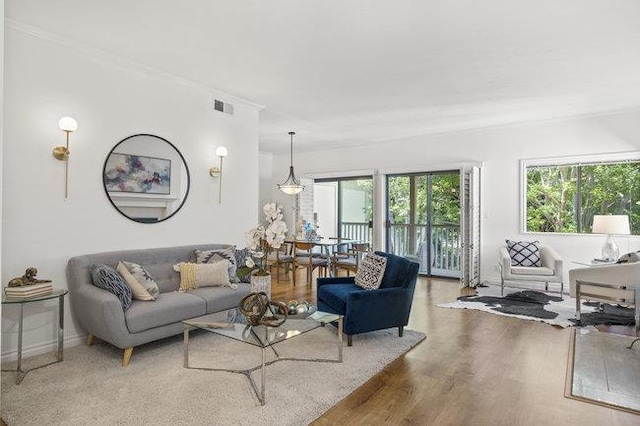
(221, 106)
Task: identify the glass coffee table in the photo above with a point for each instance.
(232, 324)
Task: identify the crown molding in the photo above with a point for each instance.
(125, 63)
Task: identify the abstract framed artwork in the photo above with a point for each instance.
(137, 174)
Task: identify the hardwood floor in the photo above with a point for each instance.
(474, 368)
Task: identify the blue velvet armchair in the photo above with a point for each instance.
(369, 310)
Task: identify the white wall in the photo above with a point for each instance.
(500, 149)
(1, 132)
(45, 80)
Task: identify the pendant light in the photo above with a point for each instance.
(291, 186)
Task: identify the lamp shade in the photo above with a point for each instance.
(221, 151)
(611, 224)
(68, 124)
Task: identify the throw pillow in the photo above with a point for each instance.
(196, 275)
(524, 253)
(632, 257)
(210, 256)
(370, 271)
(107, 278)
(241, 260)
(142, 284)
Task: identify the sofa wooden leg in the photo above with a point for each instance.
(349, 340)
(90, 339)
(400, 330)
(127, 356)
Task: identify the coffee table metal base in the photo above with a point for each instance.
(260, 393)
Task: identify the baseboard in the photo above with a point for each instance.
(42, 348)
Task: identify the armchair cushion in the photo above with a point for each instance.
(524, 253)
(337, 295)
(531, 270)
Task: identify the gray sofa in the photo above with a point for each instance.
(100, 313)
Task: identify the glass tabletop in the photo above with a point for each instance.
(233, 324)
(52, 295)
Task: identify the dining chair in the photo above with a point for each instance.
(350, 260)
(281, 259)
(303, 257)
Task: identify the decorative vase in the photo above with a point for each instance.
(261, 282)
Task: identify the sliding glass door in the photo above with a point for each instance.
(344, 207)
(423, 220)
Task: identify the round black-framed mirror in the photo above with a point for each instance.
(146, 178)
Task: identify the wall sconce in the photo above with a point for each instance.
(67, 125)
(216, 172)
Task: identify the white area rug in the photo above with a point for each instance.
(90, 388)
(561, 311)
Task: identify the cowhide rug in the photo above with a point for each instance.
(539, 306)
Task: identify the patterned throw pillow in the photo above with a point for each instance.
(241, 259)
(196, 275)
(524, 253)
(210, 256)
(370, 271)
(142, 284)
(106, 278)
(632, 257)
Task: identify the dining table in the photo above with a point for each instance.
(328, 246)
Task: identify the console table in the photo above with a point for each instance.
(59, 294)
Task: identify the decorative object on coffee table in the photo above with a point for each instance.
(258, 309)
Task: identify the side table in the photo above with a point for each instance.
(55, 294)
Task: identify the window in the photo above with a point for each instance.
(564, 196)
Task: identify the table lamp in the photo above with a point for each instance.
(610, 225)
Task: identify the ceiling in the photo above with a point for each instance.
(344, 72)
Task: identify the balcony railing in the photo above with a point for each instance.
(359, 231)
(411, 241)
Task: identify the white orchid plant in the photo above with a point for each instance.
(262, 239)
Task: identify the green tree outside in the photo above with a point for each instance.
(564, 199)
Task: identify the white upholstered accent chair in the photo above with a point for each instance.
(617, 283)
(549, 272)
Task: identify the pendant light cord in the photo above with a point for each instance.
(291, 134)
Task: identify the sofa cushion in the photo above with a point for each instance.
(107, 278)
(371, 271)
(335, 295)
(195, 275)
(142, 284)
(210, 256)
(168, 308)
(221, 298)
(524, 253)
